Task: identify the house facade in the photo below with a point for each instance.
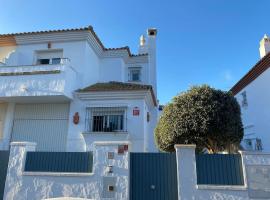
(62, 89)
(252, 93)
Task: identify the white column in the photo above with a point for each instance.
(14, 179)
(186, 171)
(8, 125)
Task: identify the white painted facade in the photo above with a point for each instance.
(256, 114)
(254, 100)
(83, 61)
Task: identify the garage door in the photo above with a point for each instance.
(45, 124)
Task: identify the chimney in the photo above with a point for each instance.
(143, 47)
(264, 46)
(151, 40)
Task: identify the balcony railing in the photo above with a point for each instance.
(17, 70)
(38, 80)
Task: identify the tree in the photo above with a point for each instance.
(203, 116)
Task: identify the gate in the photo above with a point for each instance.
(153, 176)
(4, 157)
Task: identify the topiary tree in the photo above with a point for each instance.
(203, 116)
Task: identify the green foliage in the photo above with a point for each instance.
(203, 116)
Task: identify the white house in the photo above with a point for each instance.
(63, 88)
(253, 94)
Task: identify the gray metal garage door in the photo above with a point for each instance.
(45, 124)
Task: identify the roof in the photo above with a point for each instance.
(10, 38)
(118, 86)
(252, 74)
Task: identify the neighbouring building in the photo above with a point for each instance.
(62, 89)
(252, 93)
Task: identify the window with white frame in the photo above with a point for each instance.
(134, 74)
(106, 119)
(46, 57)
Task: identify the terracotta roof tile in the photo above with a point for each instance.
(260, 67)
(88, 28)
(118, 86)
(115, 86)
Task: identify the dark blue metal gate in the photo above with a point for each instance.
(4, 157)
(153, 176)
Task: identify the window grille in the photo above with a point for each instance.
(106, 119)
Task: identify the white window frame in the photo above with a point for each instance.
(133, 69)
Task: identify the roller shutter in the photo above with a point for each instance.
(45, 124)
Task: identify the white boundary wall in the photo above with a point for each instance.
(22, 185)
(256, 169)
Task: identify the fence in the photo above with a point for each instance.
(78, 162)
(219, 169)
(4, 157)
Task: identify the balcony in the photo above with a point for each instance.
(37, 80)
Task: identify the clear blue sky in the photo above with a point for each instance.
(212, 41)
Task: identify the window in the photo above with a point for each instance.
(56, 61)
(47, 61)
(135, 74)
(111, 119)
(43, 61)
(46, 57)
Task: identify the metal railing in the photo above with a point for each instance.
(106, 119)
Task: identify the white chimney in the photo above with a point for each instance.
(264, 46)
(151, 43)
(143, 47)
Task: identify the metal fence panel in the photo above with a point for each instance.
(153, 176)
(219, 169)
(4, 157)
(77, 162)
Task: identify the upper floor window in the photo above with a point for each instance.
(108, 119)
(134, 74)
(45, 57)
(47, 61)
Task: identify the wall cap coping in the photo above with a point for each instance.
(185, 146)
(254, 153)
(23, 144)
(67, 198)
(56, 174)
(221, 187)
(107, 143)
(105, 133)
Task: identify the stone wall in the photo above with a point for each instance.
(22, 185)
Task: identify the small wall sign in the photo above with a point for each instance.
(136, 111)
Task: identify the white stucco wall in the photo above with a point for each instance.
(256, 115)
(23, 186)
(86, 67)
(255, 171)
(62, 83)
(135, 124)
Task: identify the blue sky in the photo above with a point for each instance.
(212, 41)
